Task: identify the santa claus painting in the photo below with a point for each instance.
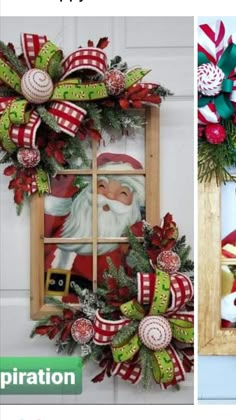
(69, 213)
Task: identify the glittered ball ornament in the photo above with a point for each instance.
(215, 133)
(36, 86)
(29, 158)
(209, 79)
(168, 261)
(155, 332)
(82, 330)
(114, 81)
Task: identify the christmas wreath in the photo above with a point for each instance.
(139, 324)
(216, 81)
(49, 104)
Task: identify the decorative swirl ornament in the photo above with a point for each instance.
(155, 332)
(209, 79)
(36, 86)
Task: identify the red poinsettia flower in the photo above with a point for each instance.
(55, 149)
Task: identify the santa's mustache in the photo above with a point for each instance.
(114, 205)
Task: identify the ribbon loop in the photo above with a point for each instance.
(163, 367)
(48, 54)
(132, 310)
(160, 300)
(73, 90)
(182, 329)
(126, 351)
(9, 76)
(18, 113)
(133, 76)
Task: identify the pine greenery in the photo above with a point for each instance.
(183, 252)
(138, 258)
(12, 58)
(48, 118)
(121, 277)
(214, 159)
(145, 359)
(125, 334)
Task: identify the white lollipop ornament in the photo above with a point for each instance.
(155, 332)
(36, 86)
(209, 79)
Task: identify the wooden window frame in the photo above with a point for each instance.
(212, 339)
(38, 309)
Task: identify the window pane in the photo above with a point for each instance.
(228, 269)
(121, 203)
(66, 265)
(67, 210)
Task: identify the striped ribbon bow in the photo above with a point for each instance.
(157, 320)
(216, 74)
(19, 114)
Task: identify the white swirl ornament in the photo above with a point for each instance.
(36, 86)
(155, 332)
(209, 79)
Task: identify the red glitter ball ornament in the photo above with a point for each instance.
(215, 133)
(82, 330)
(168, 261)
(29, 158)
(114, 81)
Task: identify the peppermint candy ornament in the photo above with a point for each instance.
(155, 332)
(209, 79)
(82, 330)
(29, 158)
(36, 86)
(168, 261)
(114, 81)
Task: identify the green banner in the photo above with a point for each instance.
(40, 375)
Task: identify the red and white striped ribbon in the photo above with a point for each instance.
(181, 290)
(208, 114)
(25, 135)
(85, 58)
(68, 116)
(105, 330)
(127, 372)
(4, 102)
(185, 316)
(31, 45)
(179, 371)
(211, 40)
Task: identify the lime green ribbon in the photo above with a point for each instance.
(182, 330)
(222, 102)
(42, 181)
(48, 58)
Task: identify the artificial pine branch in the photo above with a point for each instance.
(121, 276)
(183, 252)
(214, 159)
(117, 63)
(48, 118)
(12, 59)
(125, 333)
(138, 257)
(58, 303)
(93, 113)
(162, 91)
(5, 92)
(145, 360)
(74, 149)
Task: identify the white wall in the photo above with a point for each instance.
(166, 46)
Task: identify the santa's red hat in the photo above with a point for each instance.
(118, 158)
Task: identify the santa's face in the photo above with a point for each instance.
(118, 208)
(114, 190)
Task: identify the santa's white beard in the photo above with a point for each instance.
(111, 223)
